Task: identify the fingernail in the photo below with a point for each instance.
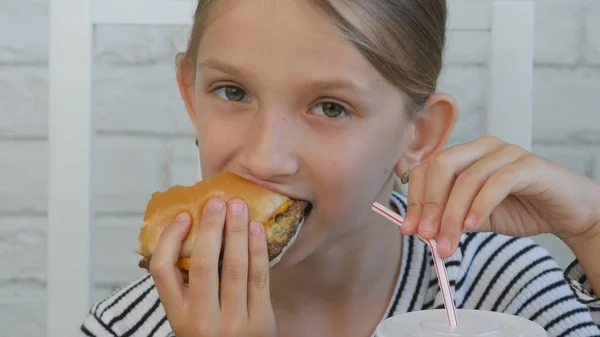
(256, 228)
(215, 206)
(236, 208)
(408, 224)
(444, 246)
(427, 225)
(471, 222)
(181, 218)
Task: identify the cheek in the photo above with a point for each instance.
(352, 176)
(218, 144)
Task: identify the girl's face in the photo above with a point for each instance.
(282, 97)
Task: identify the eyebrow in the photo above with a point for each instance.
(221, 66)
(346, 84)
(336, 84)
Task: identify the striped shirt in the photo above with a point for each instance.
(488, 272)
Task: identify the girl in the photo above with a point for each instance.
(330, 102)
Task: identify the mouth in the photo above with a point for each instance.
(272, 187)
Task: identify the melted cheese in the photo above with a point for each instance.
(284, 207)
(184, 263)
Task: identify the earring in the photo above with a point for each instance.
(405, 177)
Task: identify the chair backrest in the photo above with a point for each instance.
(511, 27)
(71, 131)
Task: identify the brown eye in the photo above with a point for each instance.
(330, 109)
(232, 93)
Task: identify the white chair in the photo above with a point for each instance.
(71, 134)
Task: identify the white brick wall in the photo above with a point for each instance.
(557, 30)
(590, 36)
(145, 142)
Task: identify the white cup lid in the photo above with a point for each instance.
(472, 323)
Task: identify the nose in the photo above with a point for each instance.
(269, 150)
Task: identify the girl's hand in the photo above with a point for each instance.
(236, 304)
(489, 185)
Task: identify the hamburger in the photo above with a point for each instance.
(281, 216)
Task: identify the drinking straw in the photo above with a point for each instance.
(440, 267)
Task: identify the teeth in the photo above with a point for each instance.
(290, 243)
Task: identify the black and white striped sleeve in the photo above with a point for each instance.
(542, 293)
(93, 327)
(133, 310)
(519, 277)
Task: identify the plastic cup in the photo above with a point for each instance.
(473, 323)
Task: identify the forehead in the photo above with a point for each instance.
(274, 36)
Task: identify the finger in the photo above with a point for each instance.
(438, 182)
(204, 277)
(163, 266)
(234, 277)
(258, 271)
(416, 193)
(468, 184)
(511, 178)
(442, 170)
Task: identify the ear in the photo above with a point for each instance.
(429, 131)
(186, 78)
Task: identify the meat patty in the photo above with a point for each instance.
(282, 232)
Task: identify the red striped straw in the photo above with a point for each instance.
(440, 267)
